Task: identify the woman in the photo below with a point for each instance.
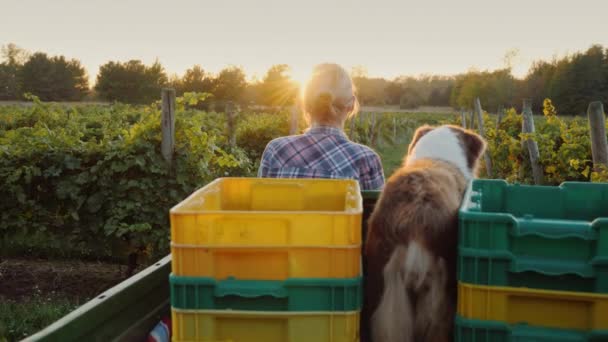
(324, 151)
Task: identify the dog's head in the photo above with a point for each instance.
(450, 143)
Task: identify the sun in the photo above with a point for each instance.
(299, 75)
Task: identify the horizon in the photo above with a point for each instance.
(389, 39)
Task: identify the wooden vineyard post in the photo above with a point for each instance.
(231, 123)
(501, 112)
(479, 112)
(463, 118)
(472, 120)
(394, 129)
(168, 124)
(373, 136)
(360, 119)
(531, 144)
(597, 129)
(293, 127)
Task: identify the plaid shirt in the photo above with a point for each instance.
(322, 152)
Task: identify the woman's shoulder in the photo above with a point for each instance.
(279, 144)
(364, 151)
(284, 140)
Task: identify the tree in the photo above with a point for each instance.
(358, 71)
(371, 91)
(197, 80)
(494, 88)
(130, 82)
(14, 55)
(54, 79)
(37, 76)
(13, 58)
(579, 79)
(440, 97)
(277, 88)
(230, 85)
(9, 81)
(537, 83)
(410, 99)
(70, 80)
(393, 91)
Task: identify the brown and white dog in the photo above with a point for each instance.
(411, 243)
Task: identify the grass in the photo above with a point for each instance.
(392, 154)
(33, 315)
(392, 157)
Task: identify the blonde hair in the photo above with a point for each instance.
(329, 96)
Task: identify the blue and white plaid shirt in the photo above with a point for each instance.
(322, 152)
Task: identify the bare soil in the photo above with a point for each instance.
(24, 278)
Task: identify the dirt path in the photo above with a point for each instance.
(22, 278)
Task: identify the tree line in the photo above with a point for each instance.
(572, 81)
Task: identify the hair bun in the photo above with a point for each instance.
(324, 104)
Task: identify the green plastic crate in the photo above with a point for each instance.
(295, 294)
(548, 237)
(472, 330)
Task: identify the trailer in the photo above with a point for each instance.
(129, 310)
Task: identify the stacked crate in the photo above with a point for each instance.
(256, 259)
(533, 262)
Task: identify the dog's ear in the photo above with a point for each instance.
(420, 132)
(474, 146)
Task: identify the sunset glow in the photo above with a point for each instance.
(389, 38)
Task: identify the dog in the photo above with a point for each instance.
(412, 237)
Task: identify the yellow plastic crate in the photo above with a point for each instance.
(251, 326)
(244, 227)
(544, 308)
(267, 263)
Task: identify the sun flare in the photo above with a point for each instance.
(300, 75)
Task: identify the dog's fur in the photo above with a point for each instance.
(411, 243)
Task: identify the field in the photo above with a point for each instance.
(88, 190)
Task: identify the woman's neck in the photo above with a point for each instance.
(339, 125)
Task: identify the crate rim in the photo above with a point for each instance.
(266, 313)
(464, 211)
(535, 291)
(358, 211)
(208, 246)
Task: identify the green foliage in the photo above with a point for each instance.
(411, 92)
(564, 146)
(255, 130)
(277, 89)
(230, 85)
(371, 91)
(130, 82)
(195, 81)
(191, 99)
(580, 79)
(53, 78)
(95, 177)
(19, 319)
(14, 55)
(9, 81)
(537, 83)
(493, 88)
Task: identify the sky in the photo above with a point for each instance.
(388, 38)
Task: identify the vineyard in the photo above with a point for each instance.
(90, 182)
(564, 145)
